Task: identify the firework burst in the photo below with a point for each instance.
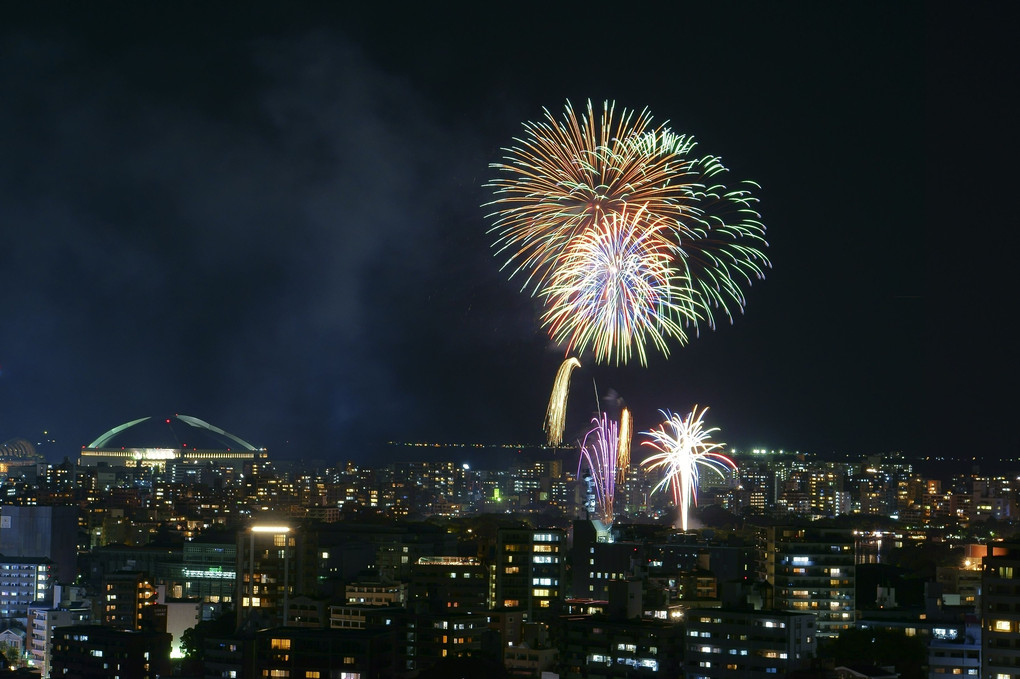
(598, 455)
(616, 291)
(684, 445)
(574, 179)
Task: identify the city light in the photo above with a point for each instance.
(262, 528)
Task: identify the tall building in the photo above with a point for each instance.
(23, 581)
(599, 562)
(43, 620)
(530, 569)
(210, 570)
(42, 531)
(812, 570)
(954, 652)
(125, 598)
(1000, 616)
(275, 562)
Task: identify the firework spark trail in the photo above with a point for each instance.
(623, 447)
(615, 290)
(599, 450)
(684, 445)
(567, 177)
(556, 412)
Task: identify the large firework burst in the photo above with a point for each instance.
(684, 445)
(565, 178)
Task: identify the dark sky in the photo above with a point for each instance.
(270, 218)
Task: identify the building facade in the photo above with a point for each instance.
(746, 643)
(812, 570)
(530, 569)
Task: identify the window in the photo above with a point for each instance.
(280, 644)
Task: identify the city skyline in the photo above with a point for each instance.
(272, 220)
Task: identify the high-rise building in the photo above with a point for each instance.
(210, 570)
(23, 581)
(42, 531)
(1000, 615)
(530, 569)
(275, 561)
(69, 609)
(812, 570)
(125, 597)
(599, 562)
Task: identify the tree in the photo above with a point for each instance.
(878, 647)
(193, 638)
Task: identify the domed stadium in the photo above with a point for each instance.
(157, 441)
(18, 456)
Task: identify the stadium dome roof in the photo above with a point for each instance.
(175, 432)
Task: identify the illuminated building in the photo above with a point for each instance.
(125, 598)
(598, 561)
(530, 569)
(812, 570)
(450, 634)
(1000, 615)
(176, 443)
(450, 582)
(69, 608)
(618, 648)
(98, 651)
(210, 570)
(24, 580)
(365, 593)
(42, 531)
(955, 652)
(303, 652)
(746, 643)
(19, 459)
(275, 561)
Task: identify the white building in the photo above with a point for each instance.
(69, 609)
(24, 580)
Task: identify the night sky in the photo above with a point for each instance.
(270, 218)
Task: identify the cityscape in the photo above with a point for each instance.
(144, 557)
(411, 341)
